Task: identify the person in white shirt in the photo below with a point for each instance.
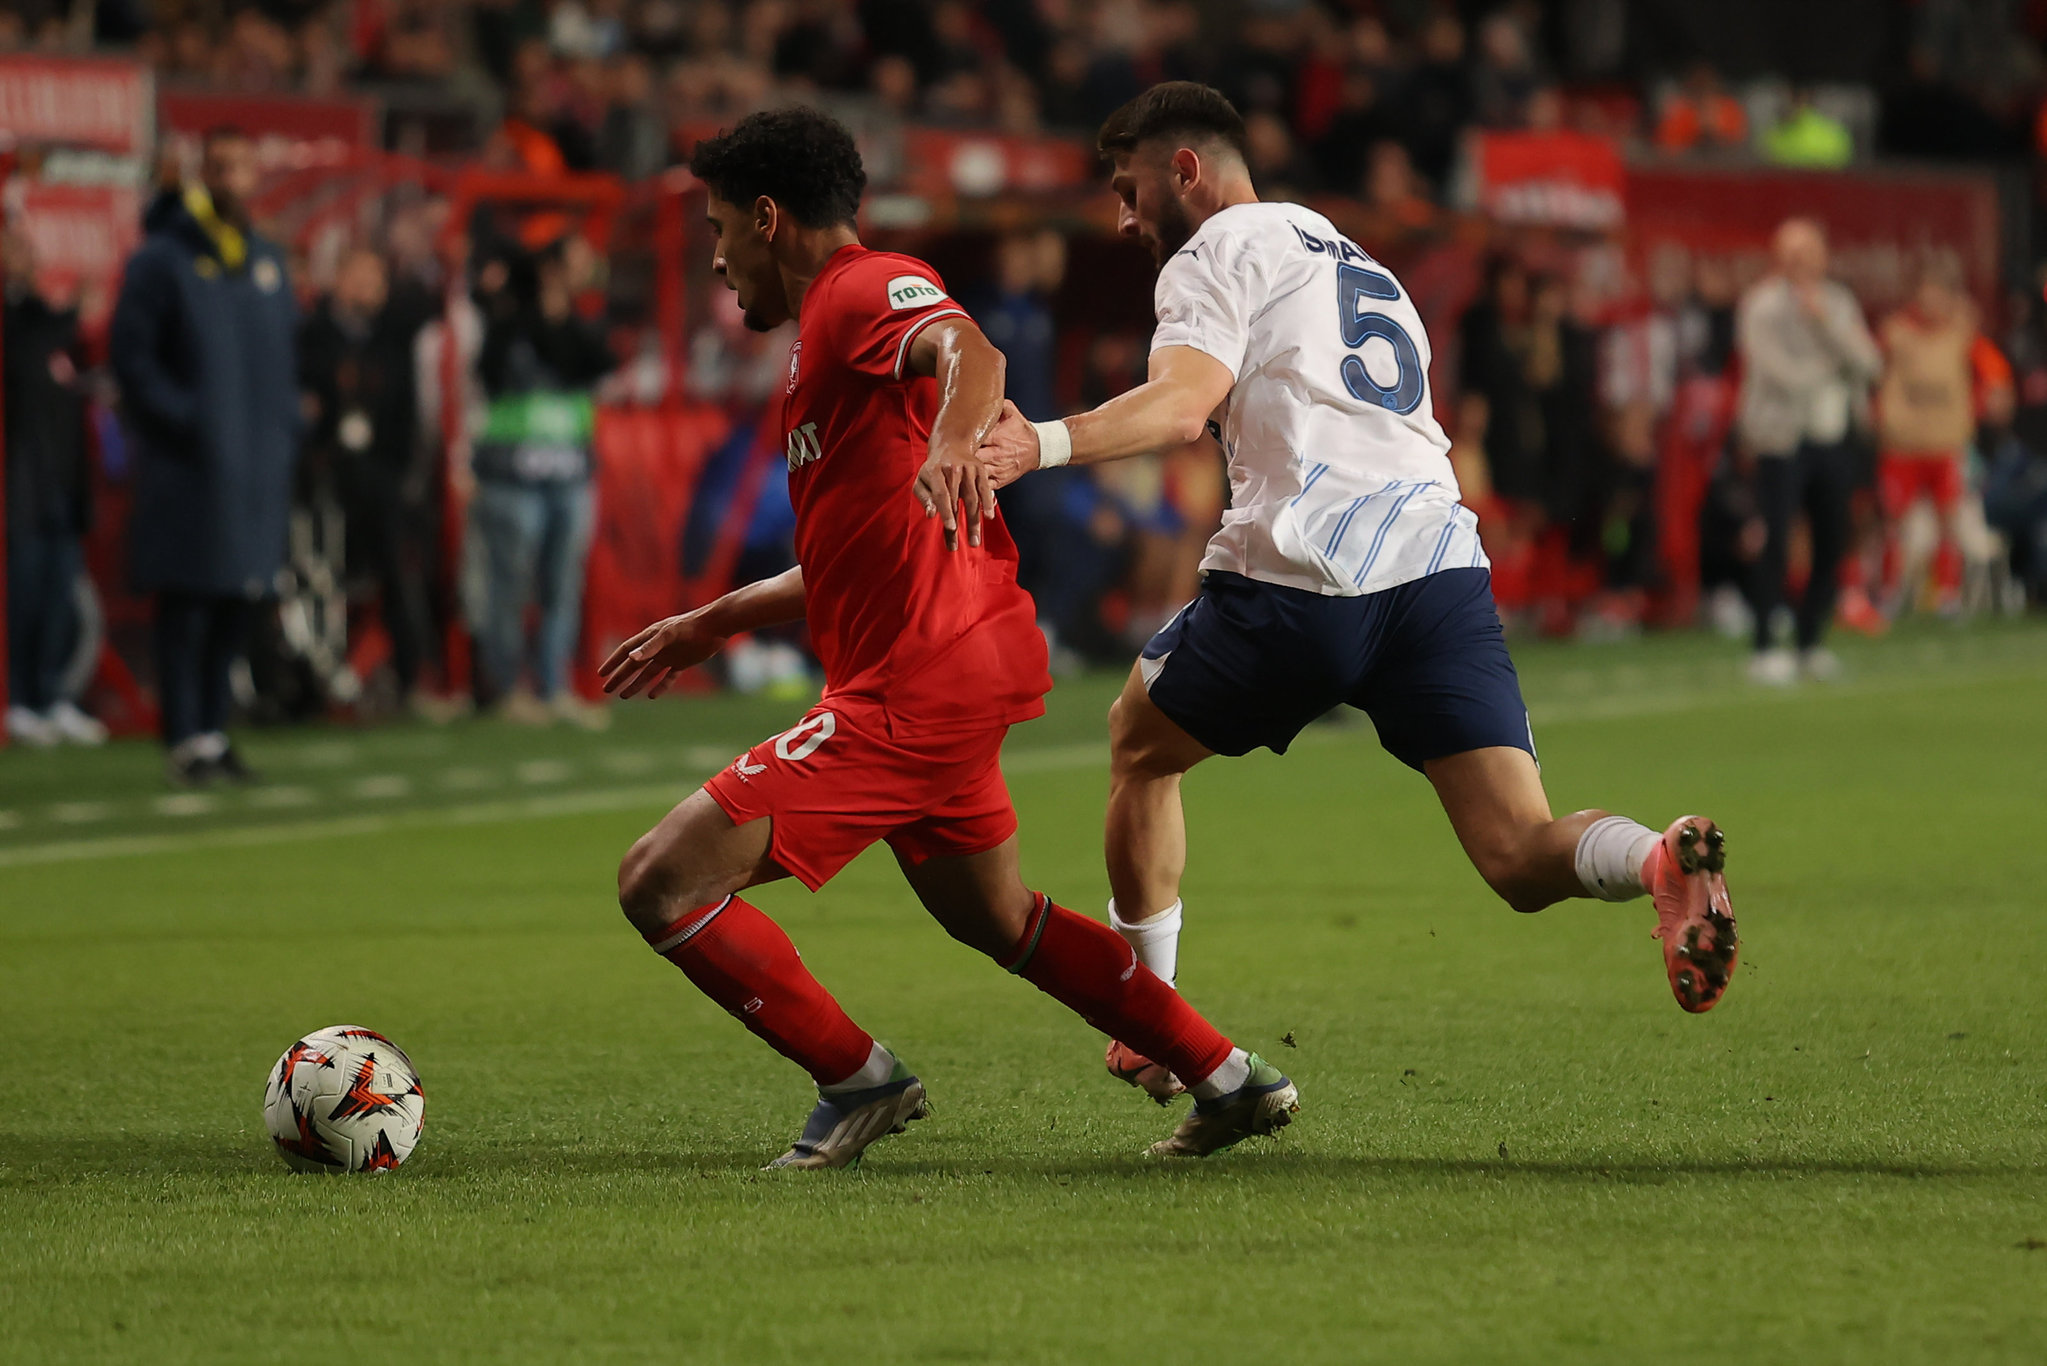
(1346, 569)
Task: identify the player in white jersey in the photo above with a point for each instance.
(1345, 571)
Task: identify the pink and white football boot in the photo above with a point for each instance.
(1694, 918)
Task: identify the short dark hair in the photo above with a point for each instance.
(802, 158)
(224, 132)
(1175, 109)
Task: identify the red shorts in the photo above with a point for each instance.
(1902, 480)
(840, 779)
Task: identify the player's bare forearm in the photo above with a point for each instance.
(650, 661)
(970, 373)
(1169, 410)
(768, 602)
(1166, 412)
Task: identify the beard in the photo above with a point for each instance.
(1174, 228)
(755, 321)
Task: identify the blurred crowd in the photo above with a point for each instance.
(1358, 97)
(1838, 466)
(1863, 467)
(285, 465)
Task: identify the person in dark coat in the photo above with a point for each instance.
(355, 366)
(1496, 336)
(48, 501)
(202, 345)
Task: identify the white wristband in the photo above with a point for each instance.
(1055, 444)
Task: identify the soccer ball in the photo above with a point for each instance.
(344, 1099)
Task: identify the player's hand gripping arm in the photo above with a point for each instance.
(651, 660)
(1169, 410)
(955, 484)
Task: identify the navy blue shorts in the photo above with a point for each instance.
(1249, 664)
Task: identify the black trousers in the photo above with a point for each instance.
(42, 615)
(1817, 481)
(392, 544)
(197, 639)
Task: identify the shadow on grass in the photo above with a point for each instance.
(27, 1161)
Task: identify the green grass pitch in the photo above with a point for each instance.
(1514, 1147)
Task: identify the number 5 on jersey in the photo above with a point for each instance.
(1354, 284)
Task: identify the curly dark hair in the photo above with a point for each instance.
(1173, 109)
(802, 158)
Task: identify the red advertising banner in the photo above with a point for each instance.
(81, 236)
(939, 161)
(1881, 223)
(350, 124)
(1560, 180)
(76, 102)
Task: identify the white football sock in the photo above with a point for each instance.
(1610, 857)
(880, 1063)
(1155, 939)
(1235, 1071)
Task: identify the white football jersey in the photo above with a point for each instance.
(1340, 481)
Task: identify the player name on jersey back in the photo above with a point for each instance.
(1340, 479)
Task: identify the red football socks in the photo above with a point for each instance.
(742, 960)
(1085, 966)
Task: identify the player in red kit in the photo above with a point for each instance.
(930, 651)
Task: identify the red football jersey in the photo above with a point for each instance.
(942, 639)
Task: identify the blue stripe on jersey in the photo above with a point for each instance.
(1343, 525)
(1350, 513)
(1313, 475)
(1379, 540)
(1443, 541)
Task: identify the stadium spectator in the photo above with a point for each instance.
(1700, 116)
(1061, 561)
(408, 40)
(1276, 163)
(1807, 363)
(1561, 369)
(202, 345)
(1808, 137)
(1359, 122)
(535, 505)
(1732, 534)
(1435, 100)
(1504, 78)
(2015, 449)
(1932, 116)
(1939, 370)
(1395, 192)
(1705, 331)
(48, 505)
(1499, 346)
(630, 139)
(356, 366)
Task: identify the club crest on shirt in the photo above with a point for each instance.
(912, 291)
(795, 353)
(268, 277)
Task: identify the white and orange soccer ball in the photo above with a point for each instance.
(344, 1099)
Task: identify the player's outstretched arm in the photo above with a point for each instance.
(652, 659)
(969, 371)
(1169, 410)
